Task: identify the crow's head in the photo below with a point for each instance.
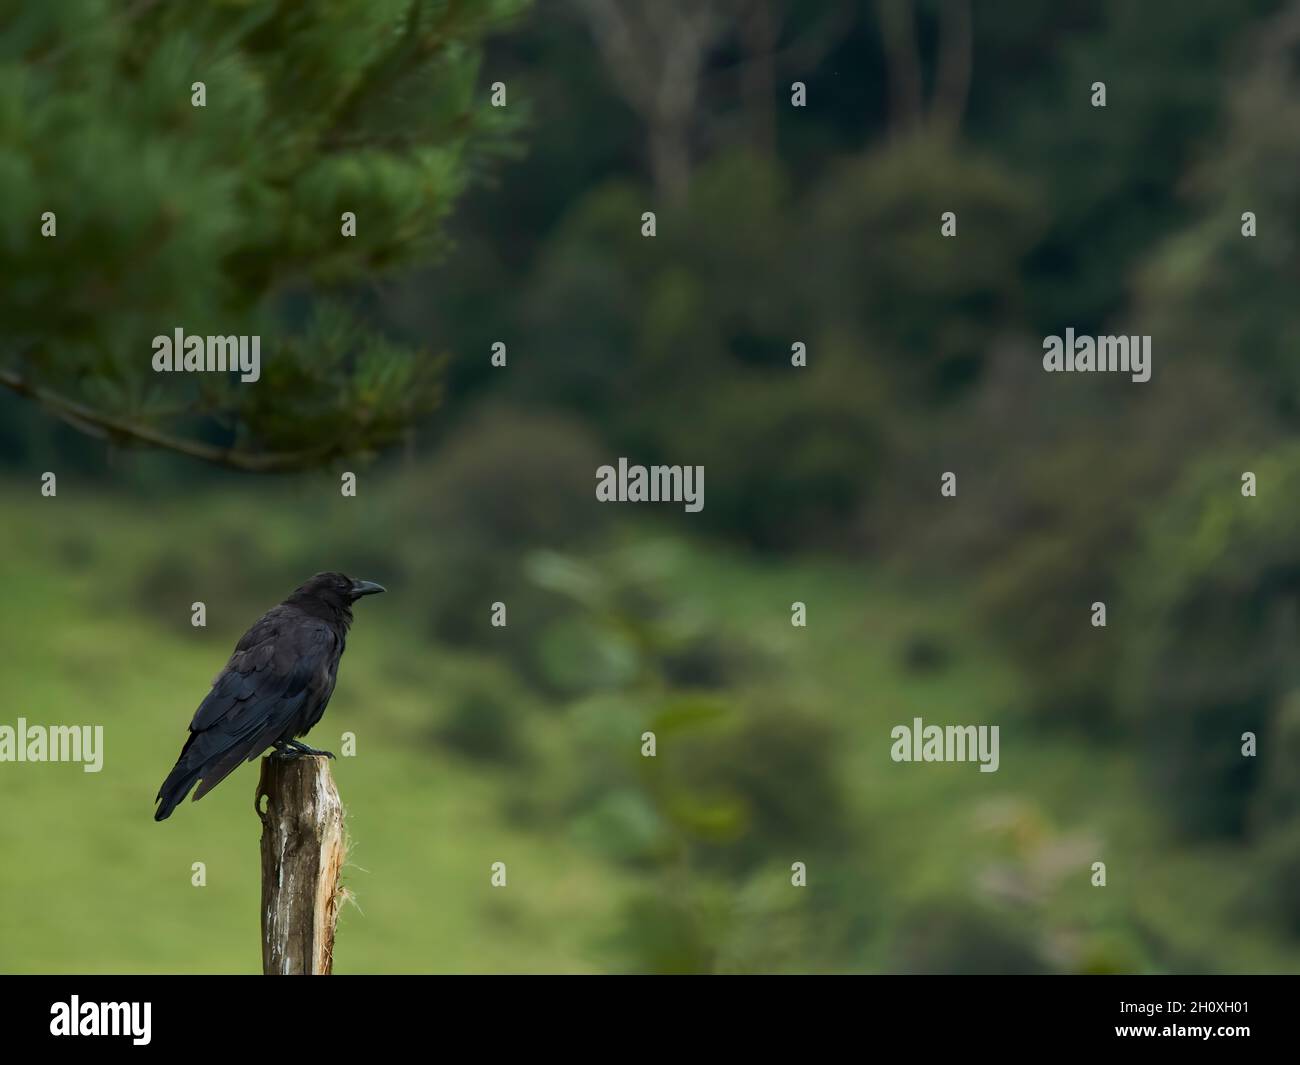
(335, 590)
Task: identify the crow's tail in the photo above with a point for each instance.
(175, 788)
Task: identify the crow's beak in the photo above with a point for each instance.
(360, 588)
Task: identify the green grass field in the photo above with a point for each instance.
(89, 883)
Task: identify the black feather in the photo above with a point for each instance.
(274, 688)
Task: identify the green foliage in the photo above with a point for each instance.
(504, 479)
(203, 217)
(1075, 528)
(1210, 291)
(353, 389)
(484, 725)
(881, 267)
(736, 773)
(479, 742)
(959, 937)
(1281, 869)
(1213, 647)
(1114, 176)
(697, 321)
(617, 862)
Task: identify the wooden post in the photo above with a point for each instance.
(303, 848)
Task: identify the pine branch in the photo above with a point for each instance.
(106, 426)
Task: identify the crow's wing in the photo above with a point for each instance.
(280, 675)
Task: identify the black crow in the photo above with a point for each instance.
(274, 688)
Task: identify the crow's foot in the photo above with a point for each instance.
(302, 748)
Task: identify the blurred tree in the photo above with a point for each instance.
(1114, 174)
(952, 65)
(204, 208)
(752, 773)
(1225, 284)
(881, 269)
(703, 318)
(1214, 624)
(655, 55)
(677, 63)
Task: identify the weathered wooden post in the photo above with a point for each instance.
(303, 847)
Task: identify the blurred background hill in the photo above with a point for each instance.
(775, 225)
